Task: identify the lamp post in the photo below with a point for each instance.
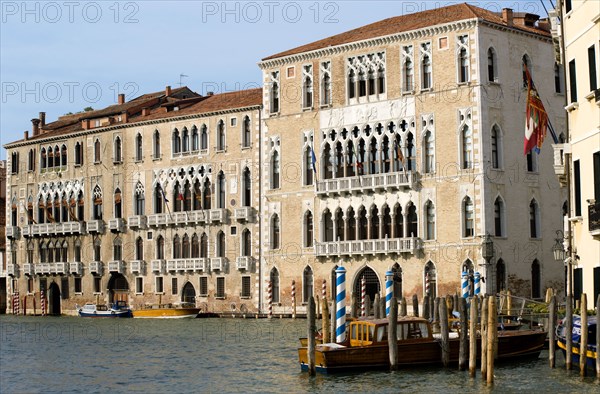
(487, 252)
(561, 255)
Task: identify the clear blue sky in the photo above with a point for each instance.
(61, 57)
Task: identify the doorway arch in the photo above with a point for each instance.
(188, 293)
(53, 299)
(118, 288)
(372, 283)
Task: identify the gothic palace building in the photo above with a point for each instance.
(416, 123)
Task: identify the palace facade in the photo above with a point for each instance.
(396, 146)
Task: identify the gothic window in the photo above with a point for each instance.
(160, 248)
(221, 190)
(139, 199)
(97, 152)
(275, 170)
(118, 153)
(326, 83)
(97, 210)
(426, 69)
(307, 86)
(185, 140)
(496, 137)
(468, 217)
(118, 204)
(308, 229)
(176, 142)
(467, 147)
(78, 153)
(221, 244)
(246, 132)
(492, 65)
(274, 92)
(499, 217)
(463, 58)
(195, 139)
(220, 135)
(139, 248)
(408, 72)
(274, 281)
(156, 144)
(203, 137)
(275, 232)
(534, 219)
(246, 188)
(139, 152)
(430, 216)
(429, 152)
(246, 243)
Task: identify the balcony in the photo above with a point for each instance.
(116, 225)
(138, 222)
(55, 228)
(28, 231)
(72, 228)
(28, 269)
(59, 268)
(218, 215)
(559, 162)
(176, 265)
(245, 263)
(12, 270)
(218, 264)
(116, 267)
(594, 218)
(364, 183)
(158, 266)
(203, 264)
(76, 268)
(158, 219)
(96, 267)
(138, 267)
(12, 232)
(369, 247)
(244, 214)
(95, 226)
(42, 269)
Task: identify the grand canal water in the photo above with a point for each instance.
(70, 354)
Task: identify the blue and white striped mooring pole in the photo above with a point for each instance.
(477, 279)
(340, 304)
(465, 284)
(389, 290)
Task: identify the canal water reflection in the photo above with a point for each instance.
(69, 354)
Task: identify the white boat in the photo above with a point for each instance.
(118, 309)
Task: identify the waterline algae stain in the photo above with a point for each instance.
(215, 355)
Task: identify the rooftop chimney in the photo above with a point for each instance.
(145, 111)
(121, 98)
(26, 135)
(168, 91)
(35, 126)
(125, 117)
(85, 124)
(42, 119)
(210, 93)
(507, 16)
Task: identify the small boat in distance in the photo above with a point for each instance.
(118, 309)
(169, 311)
(366, 346)
(592, 347)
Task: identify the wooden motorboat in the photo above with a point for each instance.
(366, 346)
(118, 309)
(180, 311)
(592, 346)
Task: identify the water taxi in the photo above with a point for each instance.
(118, 309)
(366, 346)
(179, 311)
(592, 347)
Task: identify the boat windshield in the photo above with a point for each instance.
(413, 330)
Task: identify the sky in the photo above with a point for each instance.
(63, 56)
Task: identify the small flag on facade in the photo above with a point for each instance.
(536, 118)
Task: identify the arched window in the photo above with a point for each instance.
(160, 248)
(499, 217)
(492, 65)
(117, 249)
(220, 135)
(246, 132)
(176, 252)
(468, 217)
(326, 166)
(307, 284)
(97, 152)
(467, 147)
(363, 223)
(307, 86)
(430, 226)
(536, 280)
(375, 225)
(426, 80)
(159, 199)
(275, 170)
(429, 152)
(308, 166)
(397, 281)
(496, 138)
(246, 243)
(398, 222)
(31, 160)
(221, 190)
(558, 80)
(203, 137)
(411, 153)
(328, 226)
(246, 188)
(185, 247)
(195, 139)
(78, 154)
(221, 244)
(463, 59)
(80, 207)
(500, 275)
(156, 144)
(13, 213)
(308, 229)
(206, 202)
(197, 196)
(373, 156)
(185, 140)
(326, 83)
(97, 211)
(534, 219)
(387, 223)
(274, 279)
(275, 232)
(118, 154)
(118, 204)
(532, 165)
(412, 221)
(203, 245)
(57, 154)
(187, 196)
(97, 250)
(274, 93)
(430, 279)
(43, 158)
(351, 218)
(139, 248)
(139, 201)
(139, 151)
(408, 84)
(195, 246)
(176, 142)
(64, 211)
(177, 197)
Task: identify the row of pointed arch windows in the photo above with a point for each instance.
(50, 157)
(194, 140)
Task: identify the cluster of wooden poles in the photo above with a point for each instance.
(482, 309)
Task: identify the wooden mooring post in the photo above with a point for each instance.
(569, 328)
(552, 331)
(333, 321)
(402, 311)
(483, 319)
(426, 311)
(445, 334)
(583, 341)
(492, 335)
(311, 335)
(325, 323)
(415, 305)
(393, 334)
(463, 336)
(436, 315)
(376, 308)
(354, 308)
(473, 338)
